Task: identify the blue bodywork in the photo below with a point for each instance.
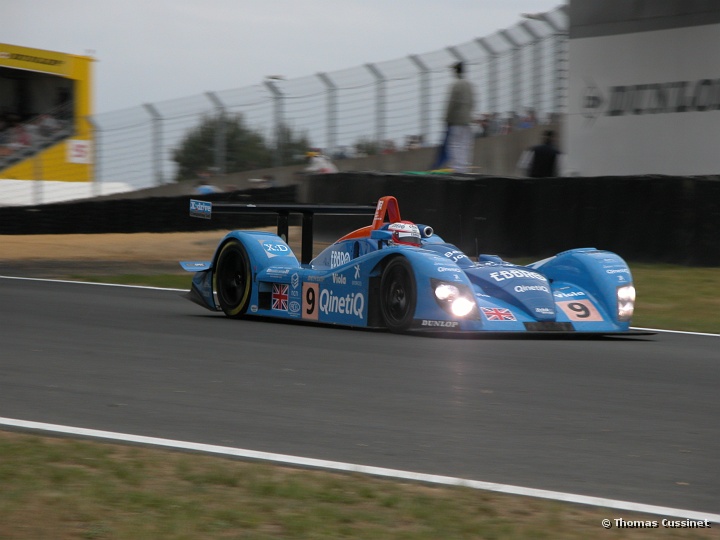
(574, 291)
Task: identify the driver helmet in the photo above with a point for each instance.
(405, 233)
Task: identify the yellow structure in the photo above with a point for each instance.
(35, 82)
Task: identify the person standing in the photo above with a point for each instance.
(458, 117)
(544, 158)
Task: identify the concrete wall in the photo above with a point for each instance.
(493, 156)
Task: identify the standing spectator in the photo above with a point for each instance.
(458, 117)
(544, 158)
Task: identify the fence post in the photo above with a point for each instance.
(424, 97)
(156, 142)
(278, 98)
(220, 157)
(331, 111)
(379, 103)
(492, 75)
(537, 66)
(516, 71)
(560, 37)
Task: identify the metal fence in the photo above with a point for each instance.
(516, 72)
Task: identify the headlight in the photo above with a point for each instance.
(455, 299)
(445, 291)
(626, 302)
(461, 306)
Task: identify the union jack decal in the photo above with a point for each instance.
(498, 314)
(280, 296)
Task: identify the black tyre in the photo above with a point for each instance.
(233, 279)
(398, 295)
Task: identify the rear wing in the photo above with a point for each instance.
(205, 210)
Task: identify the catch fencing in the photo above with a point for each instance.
(516, 71)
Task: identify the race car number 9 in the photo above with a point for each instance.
(310, 301)
(581, 311)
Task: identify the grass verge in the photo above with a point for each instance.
(73, 489)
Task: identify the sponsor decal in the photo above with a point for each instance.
(294, 307)
(339, 279)
(448, 269)
(200, 209)
(295, 280)
(32, 59)
(621, 271)
(338, 258)
(253, 308)
(274, 249)
(544, 310)
(455, 255)
(349, 304)
(280, 296)
(652, 98)
(440, 324)
(502, 275)
(498, 314)
(571, 294)
(79, 151)
(526, 288)
(278, 271)
(356, 277)
(315, 279)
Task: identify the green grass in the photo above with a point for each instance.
(66, 489)
(677, 297)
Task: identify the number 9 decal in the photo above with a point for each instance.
(580, 311)
(309, 301)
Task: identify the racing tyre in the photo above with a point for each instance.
(398, 295)
(233, 279)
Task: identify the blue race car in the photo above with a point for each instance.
(398, 275)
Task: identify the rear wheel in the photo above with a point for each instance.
(398, 295)
(233, 279)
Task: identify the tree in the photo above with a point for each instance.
(246, 149)
(294, 147)
(366, 146)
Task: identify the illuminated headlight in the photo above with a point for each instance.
(445, 291)
(455, 299)
(461, 306)
(626, 302)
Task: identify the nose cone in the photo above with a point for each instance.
(523, 288)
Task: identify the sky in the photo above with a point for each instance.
(148, 51)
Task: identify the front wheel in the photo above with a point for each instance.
(233, 279)
(398, 295)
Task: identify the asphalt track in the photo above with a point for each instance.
(624, 419)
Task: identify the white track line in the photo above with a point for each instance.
(363, 469)
(677, 332)
(93, 283)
